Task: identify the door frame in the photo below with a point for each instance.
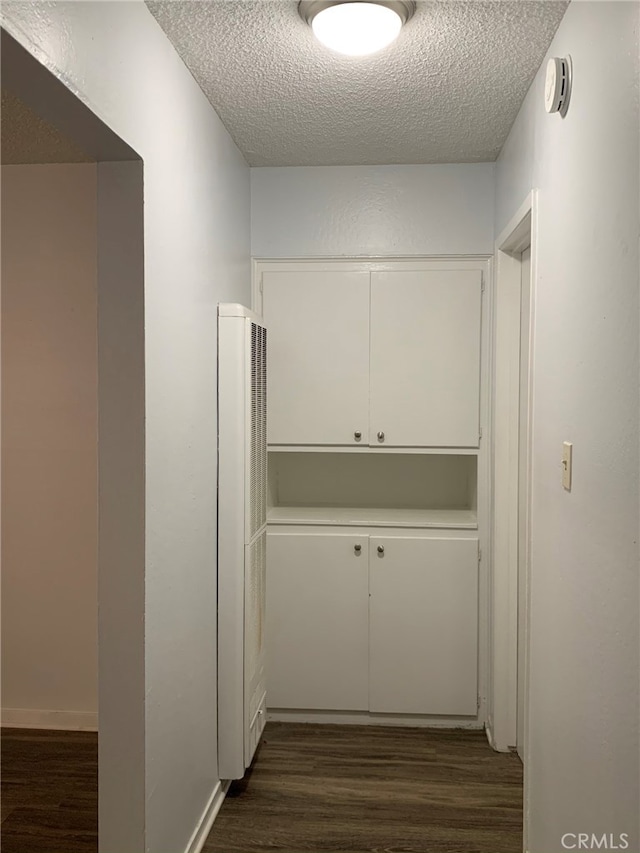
(121, 438)
(520, 232)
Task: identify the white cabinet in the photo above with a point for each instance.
(385, 358)
(425, 358)
(357, 628)
(317, 621)
(423, 627)
(318, 375)
(374, 387)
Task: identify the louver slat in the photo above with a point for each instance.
(258, 438)
(242, 515)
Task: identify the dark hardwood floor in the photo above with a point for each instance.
(359, 788)
(49, 791)
(313, 788)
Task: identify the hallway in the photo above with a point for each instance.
(362, 788)
(450, 534)
(316, 788)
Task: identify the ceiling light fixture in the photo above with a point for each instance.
(356, 27)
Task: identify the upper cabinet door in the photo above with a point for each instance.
(425, 358)
(318, 357)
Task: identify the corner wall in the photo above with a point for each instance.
(49, 446)
(197, 253)
(582, 767)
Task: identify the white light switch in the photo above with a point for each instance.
(567, 455)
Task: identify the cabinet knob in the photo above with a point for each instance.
(357, 548)
(381, 549)
(357, 435)
(380, 436)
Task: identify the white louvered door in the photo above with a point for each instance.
(242, 518)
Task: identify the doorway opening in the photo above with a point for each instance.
(73, 469)
(512, 453)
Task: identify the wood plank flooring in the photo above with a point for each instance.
(362, 789)
(327, 789)
(49, 791)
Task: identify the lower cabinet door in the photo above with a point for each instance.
(423, 625)
(317, 621)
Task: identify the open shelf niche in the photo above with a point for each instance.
(373, 489)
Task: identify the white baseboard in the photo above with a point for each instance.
(29, 718)
(366, 718)
(202, 830)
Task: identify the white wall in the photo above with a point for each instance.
(197, 250)
(372, 210)
(49, 446)
(583, 763)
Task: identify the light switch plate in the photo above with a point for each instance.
(567, 457)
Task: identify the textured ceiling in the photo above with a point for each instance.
(447, 91)
(27, 138)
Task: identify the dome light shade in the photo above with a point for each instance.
(356, 27)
